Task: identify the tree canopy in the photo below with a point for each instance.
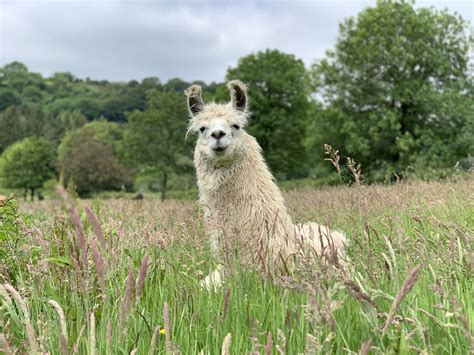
(156, 136)
(88, 159)
(396, 89)
(27, 164)
(279, 101)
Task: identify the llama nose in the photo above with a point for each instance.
(218, 134)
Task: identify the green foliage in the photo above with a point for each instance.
(17, 77)
(394, 94)
(27, 164)
(392, 230)
(10, 127)
(18, 122)
(396, 90)
(8, 97)
(56, 126)
(110, 133)
(12, 240)
(156, 137)
(279, 102)
(88, 158)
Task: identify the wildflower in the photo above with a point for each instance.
(163, 331)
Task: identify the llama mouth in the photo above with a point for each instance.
(219, 149)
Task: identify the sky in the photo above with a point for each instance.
(122, 40)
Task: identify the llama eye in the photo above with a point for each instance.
(236, 126)
(202, 129)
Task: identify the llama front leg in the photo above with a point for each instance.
(214, 280)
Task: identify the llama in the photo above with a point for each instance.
(243, 208)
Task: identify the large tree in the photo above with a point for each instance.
(155, 138)
(27, 164)
(396, 89)
(279, 101)
(88, 158)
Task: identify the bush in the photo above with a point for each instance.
(90, 164)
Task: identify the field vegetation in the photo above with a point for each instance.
(122, 276)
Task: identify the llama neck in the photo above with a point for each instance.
(246, 184)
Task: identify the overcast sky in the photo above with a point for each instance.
(193, 40)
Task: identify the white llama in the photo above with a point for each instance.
(243, 208)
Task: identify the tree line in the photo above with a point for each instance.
(395, 94)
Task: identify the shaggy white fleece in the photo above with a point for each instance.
(243, 207)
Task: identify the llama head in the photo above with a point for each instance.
(219, 126)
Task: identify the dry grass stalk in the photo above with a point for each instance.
(269, 345)
(75, 349)
(226, 304)
(99, 265)
(281, 342)
(142, 275)
(357, 293)
(30, 333)
(76, 221)
(93, 348)
(4, 346)
(313, 345)
(81, 282)
(166, 318)
(155, 336)
(406, 288)
(426, 339)
(127, 299)
(96, 226)
(109, 338)
(134, 351)
(458, 311)
(62, 321)
(368, 268)
(365, 347)
(333, 157)
(226, 344)
(355, 170)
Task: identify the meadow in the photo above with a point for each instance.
(118, 276)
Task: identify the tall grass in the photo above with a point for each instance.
(121, 277)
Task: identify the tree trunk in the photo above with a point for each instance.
(32, 194)
(163, 186)
(25, 194)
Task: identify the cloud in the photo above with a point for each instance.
(124, 40)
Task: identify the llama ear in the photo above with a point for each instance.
(238, 94)
(195, 103)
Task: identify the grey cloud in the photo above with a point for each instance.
(192, 40)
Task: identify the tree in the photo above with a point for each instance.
(16, 76)
(396, 89)
(279, 101)
(18, 122)
(176, 85)
(156, 137)
(88, 161)
(11, 129)
(56, 126)
(8, 97)
(27, 164)
(110, 133)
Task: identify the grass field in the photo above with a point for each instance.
(121, 277)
